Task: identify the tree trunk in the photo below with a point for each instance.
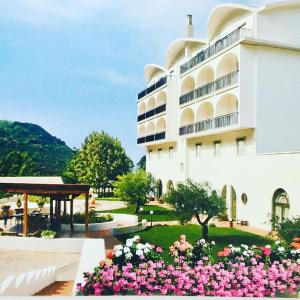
(205, 231)
(137, 208)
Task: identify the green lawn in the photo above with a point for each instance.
(159, 213)
(164, 236)
(108, 199)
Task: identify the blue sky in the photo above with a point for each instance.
(74, 66)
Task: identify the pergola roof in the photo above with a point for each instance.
(44, 189)
(32, 179)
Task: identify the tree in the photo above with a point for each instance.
(194, 199)
(100, 161)
(142, 163)
(134, 188)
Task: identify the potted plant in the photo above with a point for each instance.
(48, 234)
(41, 203)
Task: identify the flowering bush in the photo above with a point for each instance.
(134, 252)
(203, 251)
(149, 278)
(181, 250)
(256, 254)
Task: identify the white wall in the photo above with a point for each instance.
(277, 100)
(281, 25)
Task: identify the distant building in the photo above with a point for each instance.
(226, 110)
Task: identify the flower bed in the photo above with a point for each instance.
(238, 271)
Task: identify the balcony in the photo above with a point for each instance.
(214, 123)
(220, 83)
(218, 46)
(162, 81)
(152, 112)
(152, 137)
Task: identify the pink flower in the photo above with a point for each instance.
(159, 249)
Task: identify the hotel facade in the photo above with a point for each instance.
(226, 110)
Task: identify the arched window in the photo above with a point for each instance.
(159, 188)
(281, 205)
(170, 186)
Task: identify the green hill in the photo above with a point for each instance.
(29, 150)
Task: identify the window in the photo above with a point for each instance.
(198, 149)
(244, 198)
(159, 152)
(241, 146)
(217, 148)
(171, 152)
(181, 166)
(150, 154)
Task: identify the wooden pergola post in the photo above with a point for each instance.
(59, 214)
(51, 208)
(25, 215)
(65, 207)
(71, 215)
(86, 212)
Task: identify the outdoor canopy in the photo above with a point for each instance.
(58, 192)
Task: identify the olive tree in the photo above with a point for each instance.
(199, 200)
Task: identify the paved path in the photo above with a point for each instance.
(58, 288)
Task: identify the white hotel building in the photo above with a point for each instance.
(226, 110)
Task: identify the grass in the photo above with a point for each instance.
(108, 199)
(164, 236)
(159, 213)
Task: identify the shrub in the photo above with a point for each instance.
(79, 218)
(288, 229)
(48, 233)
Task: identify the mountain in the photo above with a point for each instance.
(29, 150)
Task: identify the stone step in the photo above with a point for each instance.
(57, 288)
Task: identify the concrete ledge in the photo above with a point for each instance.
(95, 227)
(61, 245)
(130, 229)
(27, 284)
(93, 251)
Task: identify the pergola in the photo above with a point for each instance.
(58, 193)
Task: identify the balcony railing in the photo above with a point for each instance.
(218, 46)
(152, 137)
(221, 121)
(208, 88)
(153, 87)
(187, 129)
(151, 112)
(187, 97)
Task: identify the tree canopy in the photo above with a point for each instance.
(28, 150)
(134, 187)
(99, 161)
(196, 199)
(142, 163)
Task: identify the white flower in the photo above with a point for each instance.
(202, 241)
(128, 255)
(147, 245)
(230, 246)
(118, 253)
(140, 246)
(280, 249)
(146, 250)
(298, 261)
(277, 242)
(213, 242)
(139, 252)
(136, 238)
(129, 242)
(267, 246)
(245, 247)
(245, 253)
(126, 249)
(118, 247)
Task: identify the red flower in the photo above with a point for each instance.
(110, 255)
(267, 251)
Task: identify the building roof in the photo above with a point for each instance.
(151, 69)
(221, 12)
(33, 179)
(178, 45)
